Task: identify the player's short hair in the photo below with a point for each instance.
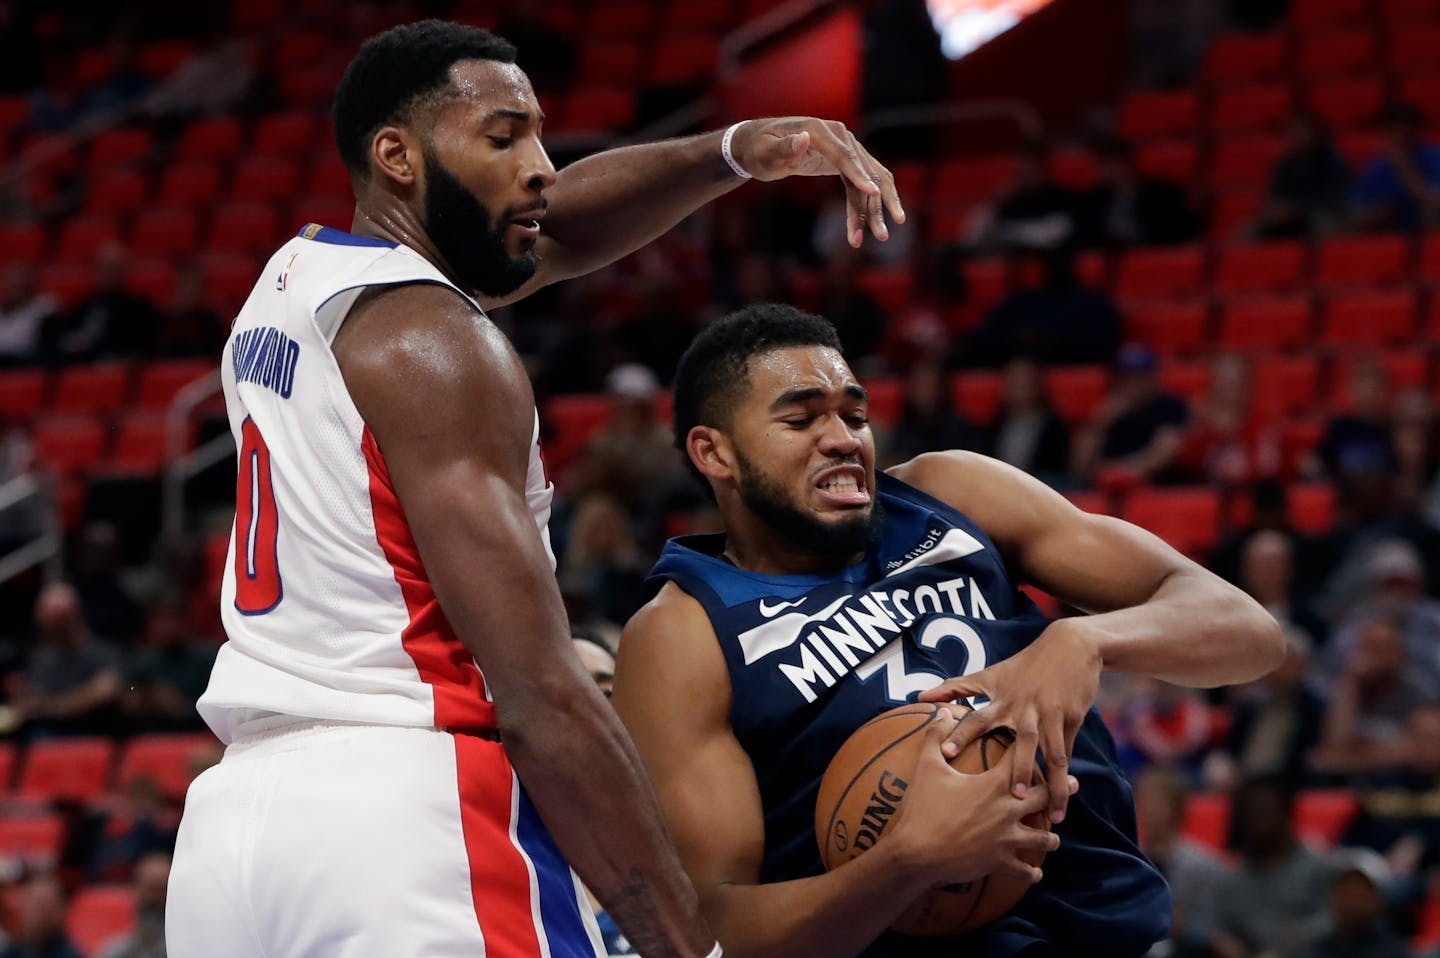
(395, 70)
(713, 373)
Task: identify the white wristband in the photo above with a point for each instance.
(740, 172)
(716, 952)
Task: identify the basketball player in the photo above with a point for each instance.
(835, 594)
(399, 660)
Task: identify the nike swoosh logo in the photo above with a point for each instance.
(767, 610)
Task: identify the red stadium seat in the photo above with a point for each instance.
(886, 396)
(1362, 261)
(1370, 318)
(1428, 267)
(1151, 114)
(1336, 52)
(244, 228)
(1187, 380)
(1403, 368)
(158, 382)
(1348, 102)
(98, 915)
(21, 393)
(116, 191)
(1423, 92)
(568, 422)
(189, 184)
(213, 140)
(1160, 273)
(1260, 268)
(229, 279)
(988, 281)
(1245, 57)
(1311, 506)
(153, 278)
(1408, 14)
(1174, 160)
(682, 16)
(1284, 385)
(21, 241)
(685, 58)
(32, 837)
(164, 231)
(164, 57)
(264, 179)
(120, 147)
(67, 282)
(976, 395)
(1235, 209)
(7, 766)
(167, 759)
(311, 87)
(1187, 518)
(1323, 814)
(68, 444)
(889, 287)
(1246, 160)
(1359, 147)
(1327, 13)
(90, 389)
(600, 108)
(285, 134)
(82, 236)
(1266, 323)
(329, 177)
(1252, 107)
(75, 768)
(1076, 391)
(1073, 168)
(625, 18)
(299, 48)
(1207, 819)
(972, 180)
(139, 448)
(1415, 49)
(609, 62)
(90, 66)
(1168, 328)
(14, 111)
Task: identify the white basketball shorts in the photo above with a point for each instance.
(348, 841)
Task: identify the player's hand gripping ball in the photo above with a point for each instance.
(862, 795)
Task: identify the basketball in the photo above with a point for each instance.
(862, 795)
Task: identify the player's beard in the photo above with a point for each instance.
(767, 498)
(464, 233)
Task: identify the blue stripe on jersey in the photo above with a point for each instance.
(559, 910)
(327, 234)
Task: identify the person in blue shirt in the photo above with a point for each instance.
(835, 594)
(1399, 188)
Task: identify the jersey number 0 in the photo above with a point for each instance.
(257, 527)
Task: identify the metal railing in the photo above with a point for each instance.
(26, 492)
(181, 462)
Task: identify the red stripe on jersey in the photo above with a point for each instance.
(499, 875)
(442, 660)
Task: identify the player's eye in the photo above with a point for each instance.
(501, 142)
(857, 420)
(802, 422)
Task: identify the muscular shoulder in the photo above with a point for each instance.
(669, 650)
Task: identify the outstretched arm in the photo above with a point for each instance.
(610, 204)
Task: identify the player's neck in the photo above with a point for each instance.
(769, 554)
(396, 223)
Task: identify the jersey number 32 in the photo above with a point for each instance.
(257, 526)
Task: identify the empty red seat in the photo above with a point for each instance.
(625, 18)
(567, 423)
(600, 108)
(166, 759)
(1160, 273)
(216, 139)
(970, 180)
(1151, 114)
(1336, 52)
(685, 58)
(1187, 518)
(886, 396)
(90, 389)
(163, 57)
(158, 382)
(1076, 391)
(1408, 14)
(1359, 147)
(889, 287)
(1174, 160)
(1168, 328)
(245, 228)
(1260, 267)
(1284, 385)
(264, 179)
(229, 279)
(1188, 380)
(1252, 107)
(163, 231)
(68, 444)
(1369, 318)
(1327, 13)
(32, 837)
(21, 393)
(1246, 57)
(1311, 506)
(299, 48)
(82, 236)
(98, 915)
(614, 61)
(189, 184)
(1404, 369)
(1362, 261)
(75, 768)
(1323, 814)
(988, 281)
(115, 191)
(153, 278)
(120, 147)
(1416, 49)
(1207, 819)
(1266, 323)
(976, 395)
(1349, 101)
(67, 282)
(1423, 92)
(682, 16)
(1429, 262)
(21, 241)
(139, 447)
(1246, 160)
(7, 766)
(286, 134)
(1235, 209)
(329, 177)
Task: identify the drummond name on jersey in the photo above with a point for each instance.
(266, 357)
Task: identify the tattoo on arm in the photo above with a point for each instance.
(634, 908)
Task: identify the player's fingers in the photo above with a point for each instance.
(1022, 756)
(854, 216)
(841, 151)
(968, 726)
(889, 195)
(1022, 870)
(1057, 764)
(1028, 838)
(875, 215)
(952, 690)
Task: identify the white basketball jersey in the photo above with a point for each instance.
(328, 610)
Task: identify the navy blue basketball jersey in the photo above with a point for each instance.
(813, 657)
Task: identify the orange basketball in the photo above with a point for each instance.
(863, 794)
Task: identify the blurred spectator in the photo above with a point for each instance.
(546, 54)
(754, 278)
(95, 572)
(1229, 443)
(1389, 584)
(190, 327)
(1359, 918)
(40, 931)
(633, 458)
(1128, 208)
(858, 319)
(1138, 429)
(1309, 191)
(1267, 573)
(213, 83)
(1275, 902)
(1164, 724)
(602, 566)
(124, 85)
(938, 309)
(1359, 442)
(1399, 188)
(139, 828)
(597, 660)
(152, 876)
(1033, 213)
(24, 311)
(928, 421)
(1275, 721)
(1367, 722)
(1055, 321)
(1415, 435)
(24, 520)
(110, 322)
(167, 675)
(1027, 433)
(72, 679)
(1193, 871)
(1401, 817)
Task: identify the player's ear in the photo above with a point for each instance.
(711, 452)
(396, 154)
